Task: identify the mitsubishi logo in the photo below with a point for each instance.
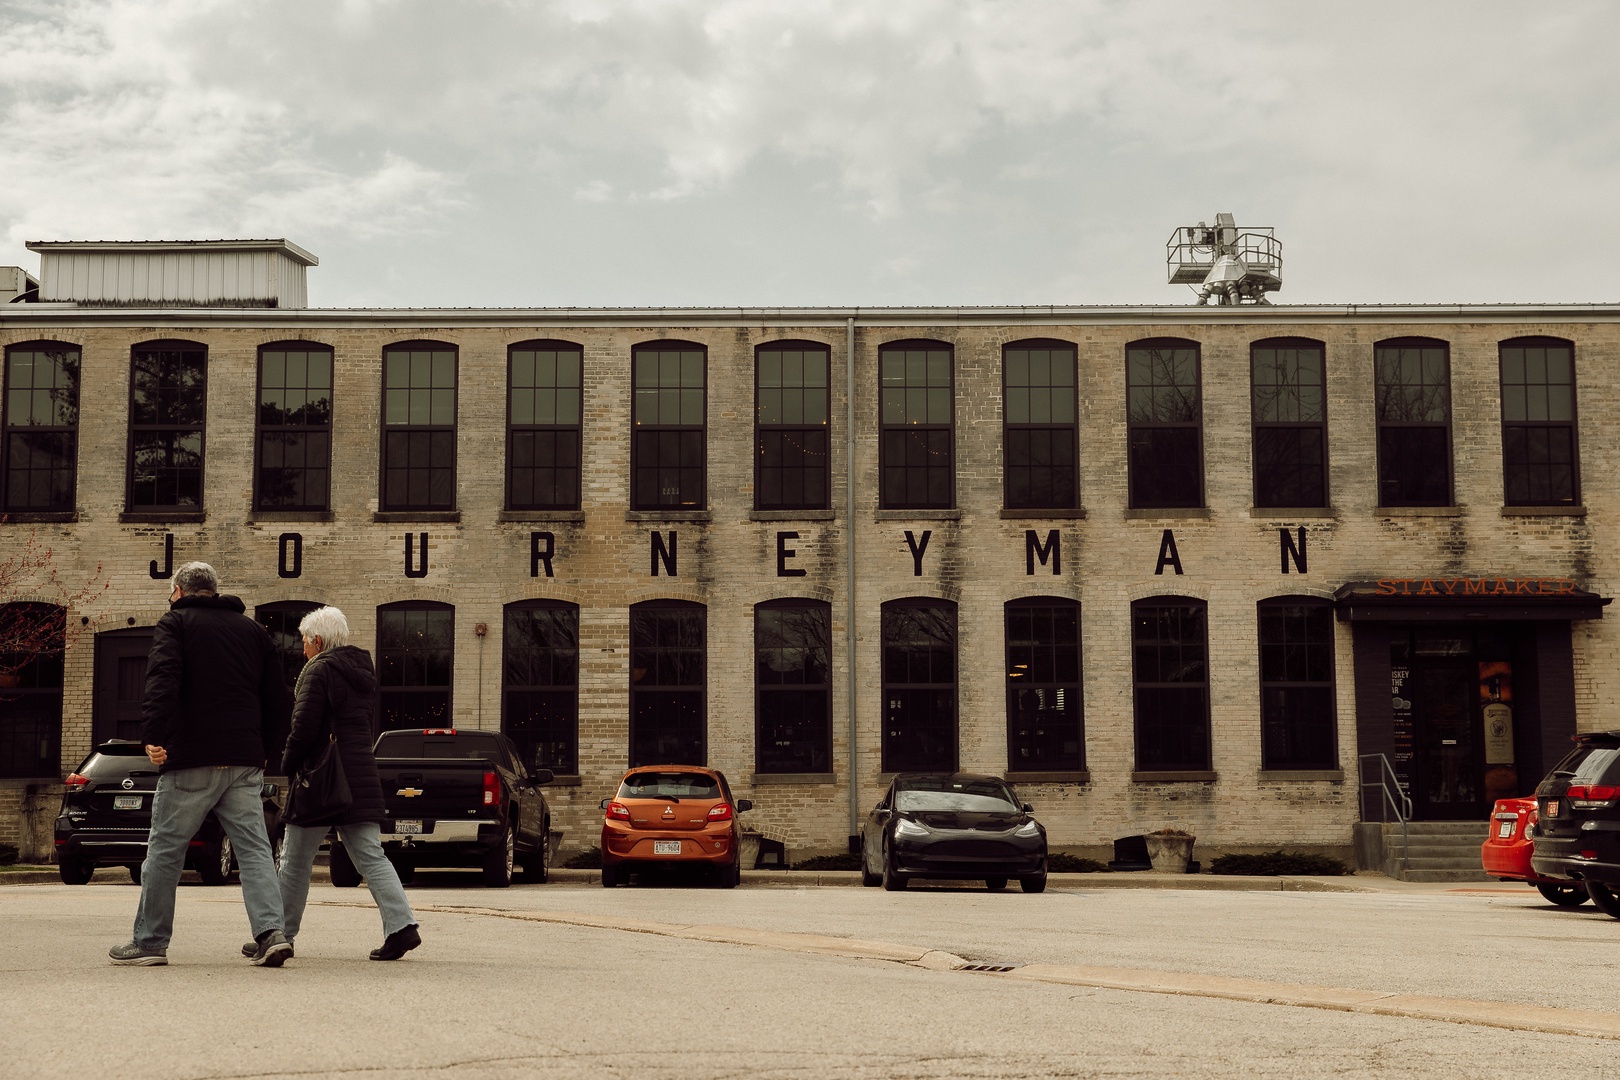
(128, 783)
(409, 792)
(669, 811)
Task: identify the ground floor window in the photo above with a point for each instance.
(281, 619)
(540, 683)
(919, 685)
(32, 640)
(1297, 715)
(793, 684)
(667, 684)
(1045, 724)
(415, 658)
(1170, 664)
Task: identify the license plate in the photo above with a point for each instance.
(407, 826)
(1552, 807)
(666, 847)
(1504, 830)
(126, 802)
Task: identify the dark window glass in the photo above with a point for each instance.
(540, 680)
(916, 414)
(544, 389)
(1538, 422)
(1412, 384)
(667, 671)
(793, 683)
(167, 396)
(1297, 722)
(415, 658)
(919, 685)
(667, 453)
(1170, 650)
(1045, 721)
(1039, 426)
(41, 427)
(791, 427)
(281, 619)
(31, 689)
(419, 427)
(1163, 416)
(295, 427)
(1288, 393)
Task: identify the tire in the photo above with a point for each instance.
(403, 869)
(344, 875)
(869, 879)
(1565, 896)
(277, 840)
(76, 871)
(500, 859)
(893, 880)
(731, 874)
(215, 863)
(1033, 883)
(1603, 899)
(134, 872)
(995, 884)
(610, 876)
(537, 864)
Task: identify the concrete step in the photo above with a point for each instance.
(1444, 875)
(1440, 828)
(1443, 851)
(1442, 862)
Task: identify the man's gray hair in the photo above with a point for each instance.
(328, 624)
(193, 578)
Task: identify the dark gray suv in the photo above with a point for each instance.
(1578, 831)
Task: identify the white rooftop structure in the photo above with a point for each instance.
(173, 273)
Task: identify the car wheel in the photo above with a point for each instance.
(134, 872)
(1033, 883)
(215, 866)
(869, 879)
(499, 860)
(1603, 899)
(731, 874)
(76, 871)
(610, 876)
(344, 874)
(893, 880)
(537, 864)
(995, 884)
(404, 869)
(1564, 895)
(277, 839)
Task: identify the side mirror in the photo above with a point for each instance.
(1028, 809)
(541, 776)
(744, 805)
(269, 791)
(605, 803)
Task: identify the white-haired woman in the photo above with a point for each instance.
(337, 693)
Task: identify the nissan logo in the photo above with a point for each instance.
(128, 783)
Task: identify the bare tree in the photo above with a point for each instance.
(34, 601)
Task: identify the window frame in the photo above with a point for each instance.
(1073, 426)
(508, 688)
(887, 764)
(636, 428)
(1138, 684)
(260, 428)
(700, 689)
(1267, 757)
(7, 428)
(1046, 603)
(1196, 425)
(1543, 341)
(285, 607)
(448, 688)
(1381, 425)
(763, 691)
(454, 427)
(791, 345)
(130, 505)
(52, 761)
(1256, 425)
(577, 428)
(885, 501)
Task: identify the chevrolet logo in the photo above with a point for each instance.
(409, 792)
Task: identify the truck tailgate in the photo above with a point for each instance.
(434, 789)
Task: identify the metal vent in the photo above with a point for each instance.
(988, 967)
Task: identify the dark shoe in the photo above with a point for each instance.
(398, 944)
(251, 949)
(271, 949)
(135, 955)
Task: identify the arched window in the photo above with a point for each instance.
(540, 683)
(1288, 400)
(1540, 454)
(668, 669)
(791, 426)
(667, 454)
(168, 397)
(1170, 664)
(1045, 720)
(919, 685)
(793, 686)
(294, 463)
(39, 448)
(545, 385)
(419, 426)
(33, 638)
(281, 619)
(415, 664)
(917, 413)
(1039, 437)
(1298, 728)
(1412, 384)
(1164, 417)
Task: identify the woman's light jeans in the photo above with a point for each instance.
(364, 848)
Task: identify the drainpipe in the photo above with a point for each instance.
(849, 580)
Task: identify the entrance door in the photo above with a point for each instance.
(120, 682)
(1448, 771)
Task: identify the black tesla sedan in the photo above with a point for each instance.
(107, 815)
(952, 825)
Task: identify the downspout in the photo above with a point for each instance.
(849, 582)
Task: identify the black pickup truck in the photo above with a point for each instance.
(458, 798)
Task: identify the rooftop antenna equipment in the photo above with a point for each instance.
(1228, 264)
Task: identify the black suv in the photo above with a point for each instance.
(107, 814)
(1578, 832)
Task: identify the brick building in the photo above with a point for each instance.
(1161, 566)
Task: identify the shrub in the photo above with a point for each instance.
(8, 854)
(844, 861)
(589, 859)
(1275, 863)
(1058, 862)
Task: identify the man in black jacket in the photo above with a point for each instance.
(214, 698)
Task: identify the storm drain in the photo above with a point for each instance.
(988, 967)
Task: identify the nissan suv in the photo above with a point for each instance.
(1578, 831)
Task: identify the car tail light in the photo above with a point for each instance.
(74, 780)
(1588, 853)
(439, 731)
(617, 811)
(1592, 797)
(720, 812)
(492, 788)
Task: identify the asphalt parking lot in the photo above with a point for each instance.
(569, 979)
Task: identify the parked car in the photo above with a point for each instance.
(1506, 853)
(457, 798)
(1578, 828)
(672, 815)
(106, 818)
(952, 825)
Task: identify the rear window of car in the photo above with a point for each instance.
(666, 785)
(450, 747)
(115, 761)
(974, 796)
(1588, 764)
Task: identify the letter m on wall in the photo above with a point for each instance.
(1035, 551)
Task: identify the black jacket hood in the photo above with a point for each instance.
(353, 665)
(218, 603)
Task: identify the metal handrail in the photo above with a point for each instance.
(1394, 797)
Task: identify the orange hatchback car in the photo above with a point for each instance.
(664, 814)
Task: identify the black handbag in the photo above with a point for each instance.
(318, 791)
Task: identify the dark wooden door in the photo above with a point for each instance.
(120, 682)
(1448, 780)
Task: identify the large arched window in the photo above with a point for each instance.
(540, 683)
(668, 672)
(667, 453)
(39, 448)
(415, 663)
(919, 685)
(294, 452)
(1540, 454)
(32, 640)
(1412, 388)
(791, 431)
(1170, 663)
(1164, 417)
(168, 399)
(419, 426)
(1298, 729)
(1039, 436)
(1288, 401)
(916, 415)
(1045, 721)
(281, 619)
(793, 686)
(544, 390)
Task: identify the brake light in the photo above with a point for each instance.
(1593, 796)
(492, 788)
(617, 811)
(439, 731)
(720, 812)
(75, 780)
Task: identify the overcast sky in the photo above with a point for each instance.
(764, 152)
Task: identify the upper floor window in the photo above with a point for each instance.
(1039, 425)
(793, 686)
(919, 685)
(1288, 396)
(1297, 724)
(668, 654)
(1045, 724)
(1163, 414)
(34, 637)
(41, 427)
(419, 426)
(540, 683)
(791, 426)
(917, 436)
(167, 403)
(544, 388)
(1170, 663)
(415, 662)
(667, 451)
(295, 427)
(1412, 383)
(1539, 451)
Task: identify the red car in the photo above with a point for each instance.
(1506, 853)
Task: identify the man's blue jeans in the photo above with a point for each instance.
(364, 847)
(183, 799)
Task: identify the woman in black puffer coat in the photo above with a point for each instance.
(335, 697)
